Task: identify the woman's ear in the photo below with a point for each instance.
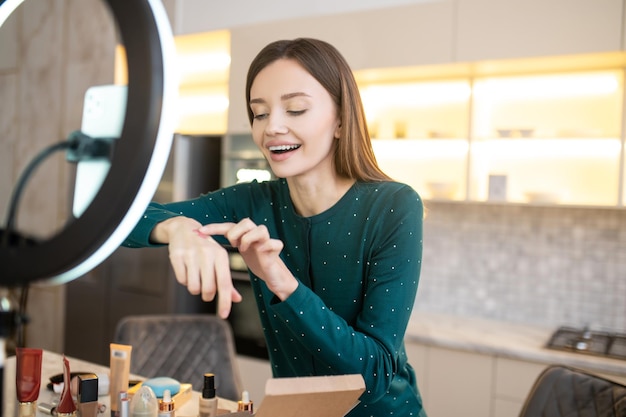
(338, 131)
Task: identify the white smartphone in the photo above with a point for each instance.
(104, 111)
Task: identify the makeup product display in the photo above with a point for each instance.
(166, 405)
(208, 399)
(66, 407)
(245, 404)
(28, 379)
(119, 371)
(144, 403)
(88, 395)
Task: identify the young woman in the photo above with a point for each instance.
(333, 245)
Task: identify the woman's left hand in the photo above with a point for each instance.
(259, 251)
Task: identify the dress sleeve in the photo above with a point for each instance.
(208, 208)
(373, 345)
(139, 237)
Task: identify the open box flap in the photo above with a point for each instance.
(328, 396)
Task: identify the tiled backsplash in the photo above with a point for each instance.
(536, 265)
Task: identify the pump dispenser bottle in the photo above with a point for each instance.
(208, 400)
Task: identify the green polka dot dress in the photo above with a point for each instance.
(358, 264)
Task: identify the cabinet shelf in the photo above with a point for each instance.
(552, 137)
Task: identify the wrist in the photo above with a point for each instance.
(287, 289)
(162, 231)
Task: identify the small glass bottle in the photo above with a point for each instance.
(208, 399)
(166, 405)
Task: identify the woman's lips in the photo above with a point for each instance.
(282, 152)
(282, 148)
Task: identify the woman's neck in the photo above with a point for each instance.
(314, 196)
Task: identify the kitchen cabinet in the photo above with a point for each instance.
(497, 29)
(513, 381)
(459, 383)
(452, 382)
(463, 382)
(554, 138)
(538, 131)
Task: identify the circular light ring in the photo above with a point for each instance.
(136, 168)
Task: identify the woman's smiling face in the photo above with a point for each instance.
(295, 120)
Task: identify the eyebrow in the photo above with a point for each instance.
(283, 97)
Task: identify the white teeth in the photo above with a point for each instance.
(283, 148)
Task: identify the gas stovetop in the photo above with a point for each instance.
(591, 342)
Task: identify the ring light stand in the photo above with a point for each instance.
(137, 164)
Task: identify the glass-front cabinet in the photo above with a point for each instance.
(543, 131)
(420, 131)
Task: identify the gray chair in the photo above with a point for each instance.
(183, 347)
(561, 391)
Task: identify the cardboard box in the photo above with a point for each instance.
(315, 396)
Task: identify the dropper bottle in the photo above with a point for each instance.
(208, 400)
(166, 405)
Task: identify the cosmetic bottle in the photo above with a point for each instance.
(245, 404)
(88, 395)
(166, 405)
(208, 400)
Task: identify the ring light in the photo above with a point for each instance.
(138, 161)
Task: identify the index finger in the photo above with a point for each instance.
(216, 228)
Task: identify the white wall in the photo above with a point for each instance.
(233, 13)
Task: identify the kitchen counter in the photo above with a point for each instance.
(502, 339)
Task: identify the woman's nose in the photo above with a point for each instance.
(276, 124)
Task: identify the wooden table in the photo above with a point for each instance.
(53, 365)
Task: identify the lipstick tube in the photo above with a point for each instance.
(28, 379)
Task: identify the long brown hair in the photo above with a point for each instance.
(354, 156)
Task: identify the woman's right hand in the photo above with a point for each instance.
(199, 262)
